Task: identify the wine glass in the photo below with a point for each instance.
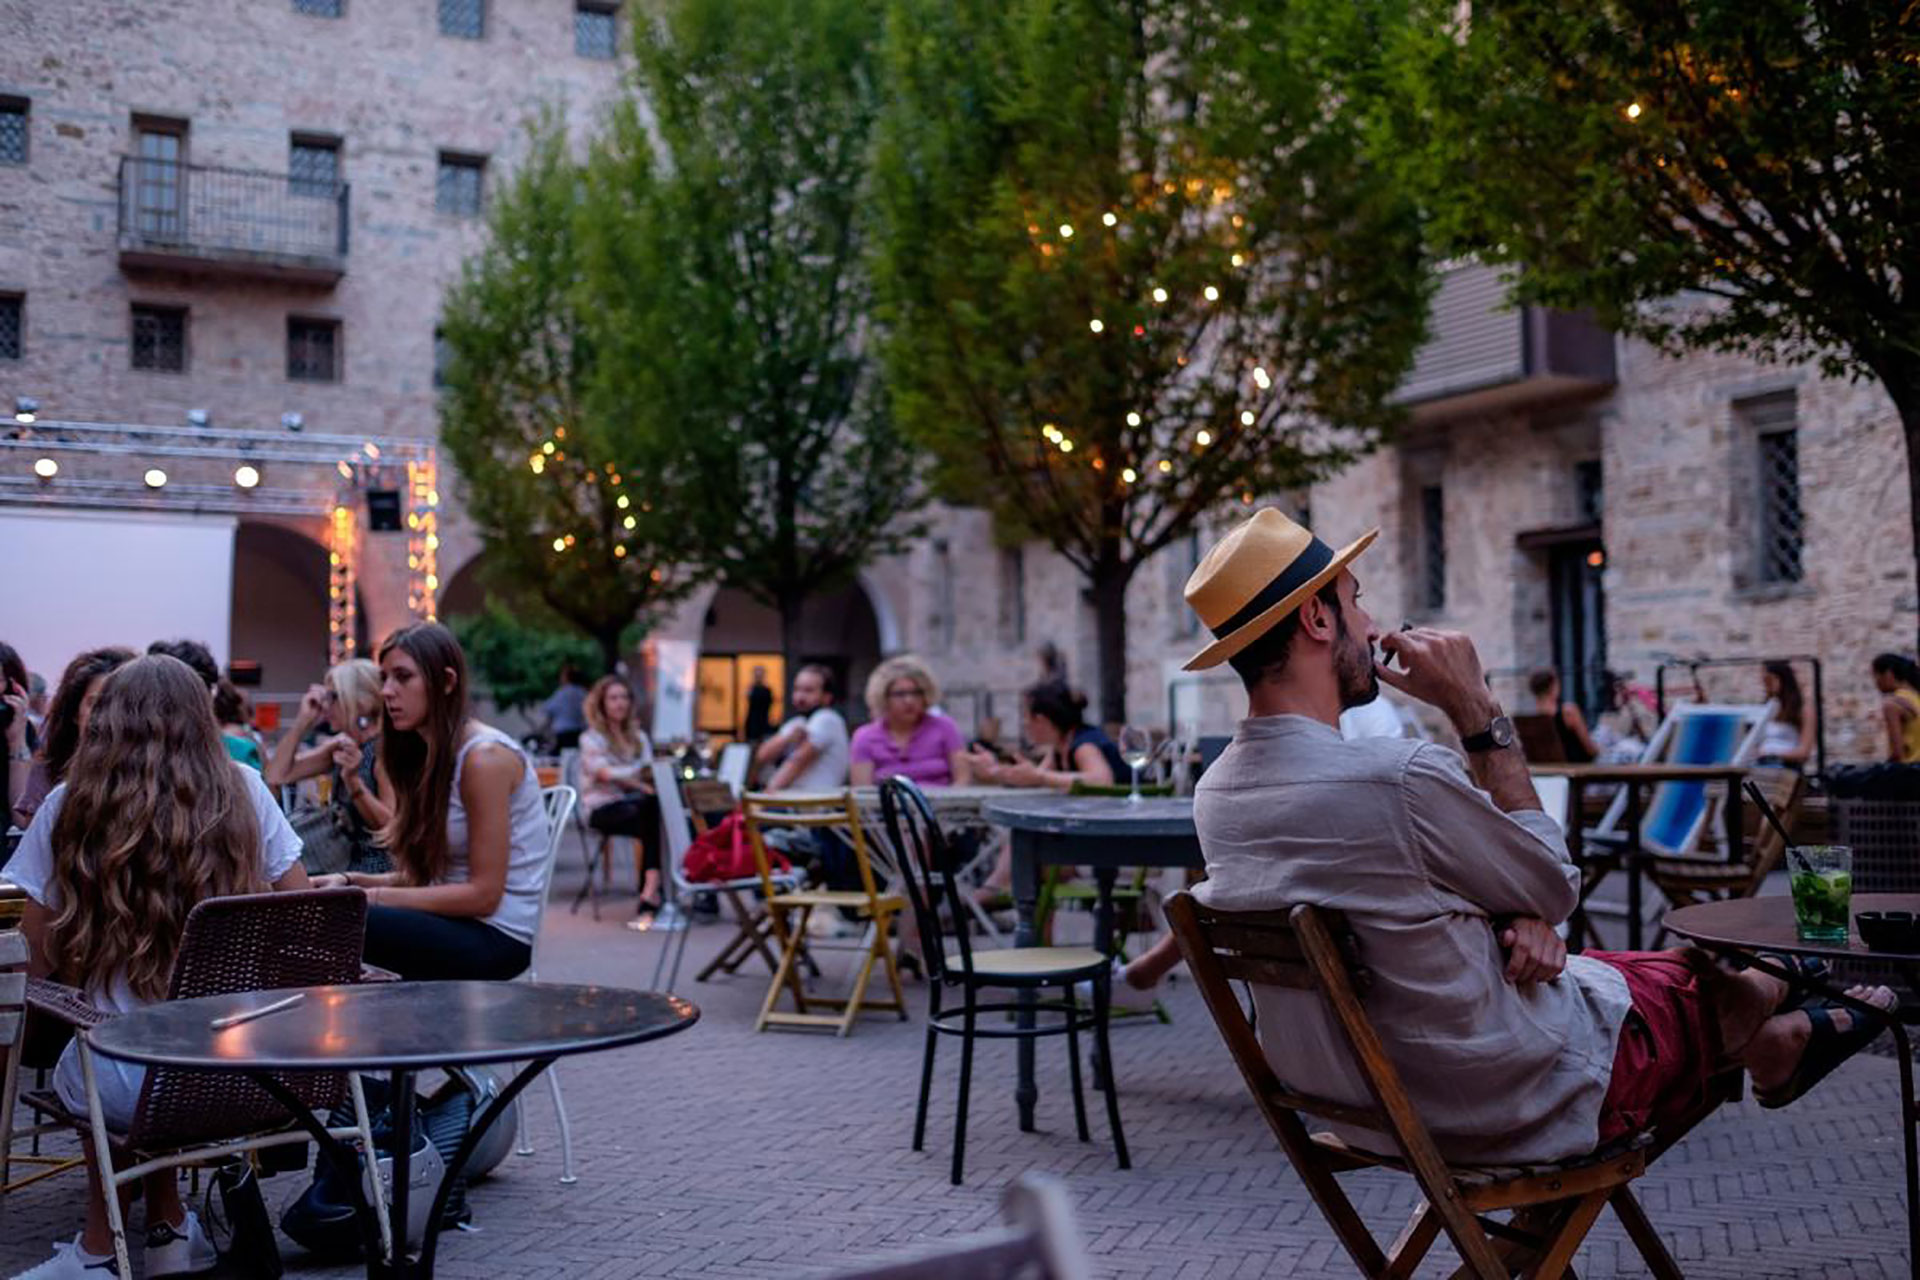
(1136, 748)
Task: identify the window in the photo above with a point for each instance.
(466, 19)
(1589, 489)
(13, 130)
(313, 350)
(1433, 549)
(1779, 524)
(1013, 596)
(594, 30)
(940, 626)
(318, 8)
(160, 339)
(313, 167)
(13, 329)
(442, 357)
(159, 212)
(1183, 557)
(457, 189)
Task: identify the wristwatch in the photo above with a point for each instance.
(1497, 736)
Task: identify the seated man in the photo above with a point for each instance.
(811, 747)
(1512, 1051)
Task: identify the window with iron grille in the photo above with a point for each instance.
(13, 130)
(594, 30)
(13, 329)
(313, 167)
(464, 18)
(319, 8)
(160, 339)
(1590, 490)
(1013, 596)
(1433, 549)
(313, 350)
(1779, 524)
(442, 357)
(457, 189)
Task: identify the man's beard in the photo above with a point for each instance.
(1353, 667)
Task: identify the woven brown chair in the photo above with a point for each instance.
(13, 1034)
(249, 942)
(1552, 1206)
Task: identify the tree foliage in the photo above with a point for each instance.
(1135, 268)
(566, 483)
(518, 661)
(730, 260)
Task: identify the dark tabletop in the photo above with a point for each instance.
(1642, 772)
(1094, 815)
(1766, 924)
(395, 1024)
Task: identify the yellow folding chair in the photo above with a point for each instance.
(791, 910)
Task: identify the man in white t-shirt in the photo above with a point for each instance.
(811, 748)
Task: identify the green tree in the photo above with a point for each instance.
(1134, 267)
(1738, 175)
(565, 482)
(731, 282)
(516, 659)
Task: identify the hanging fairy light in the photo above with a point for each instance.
(340, 584)
(423, 536)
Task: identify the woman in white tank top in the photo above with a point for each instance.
(468, 834)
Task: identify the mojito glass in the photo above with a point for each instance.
(1822, 878)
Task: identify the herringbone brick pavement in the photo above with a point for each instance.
(725, 1153)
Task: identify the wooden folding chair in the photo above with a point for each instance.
(790, 911)
(1552, 1206)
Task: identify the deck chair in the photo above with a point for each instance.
(735, 759)
(1040, 1242)
(790, 910)
(1684, 881)
(249, 942)
(1678, 813)
(1552, 1207)
(752, 925)
(13, 1034)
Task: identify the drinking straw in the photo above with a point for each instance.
(1766, 811)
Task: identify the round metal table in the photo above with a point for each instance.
(1102, 832)
(400, 1028)
(1756, 929)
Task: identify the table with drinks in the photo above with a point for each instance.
(1822, 917)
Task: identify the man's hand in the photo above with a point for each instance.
(1440, 668)
(1535, 952)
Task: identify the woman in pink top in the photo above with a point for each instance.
(905, 737)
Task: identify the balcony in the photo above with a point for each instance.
(1483, 355)
(201, 220)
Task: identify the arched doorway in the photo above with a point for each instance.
(839, 631)
(279, 617)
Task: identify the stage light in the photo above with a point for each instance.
(25, 410)
(155, 478)
(46, 468)
(246, 475)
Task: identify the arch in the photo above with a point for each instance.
(842, 630)
(279, 615)
(885, 618)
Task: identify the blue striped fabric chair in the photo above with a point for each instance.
(1678, 813)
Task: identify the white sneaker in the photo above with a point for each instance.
(68, 1264)
(181, 1251)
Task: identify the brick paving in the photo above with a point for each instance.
(725, 1153)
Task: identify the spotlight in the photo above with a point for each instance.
(292, 421)
(155, 478)
(46, 468)
(198, 417)
(25, 410)
(246, 475)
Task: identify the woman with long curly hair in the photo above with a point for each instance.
(66, 720)
(152, 818)
(616, 787)
(468, 834)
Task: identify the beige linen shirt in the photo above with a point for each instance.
(1394, 833)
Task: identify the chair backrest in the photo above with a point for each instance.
(1539, 736)
(706, 796)
(675, 827)
(1783, 789)
(1040, 1242)
(251, 942)
(558, 803)
(1693, 733)
(735, 758)
(827, 811)
(928, 871)
(1555, 795)
(13, 995)
(570, 777)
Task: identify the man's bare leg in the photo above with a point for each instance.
(1755, 1034)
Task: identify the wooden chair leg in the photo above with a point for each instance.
(783, 975)
(1573, 1230)
(1653, 1250)
(857, 996)
(1415, 1239)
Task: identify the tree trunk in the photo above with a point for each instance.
(791, 603)
(1109, 590)
(1903, 385)
(609, 642)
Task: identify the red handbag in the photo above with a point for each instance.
(722, 852)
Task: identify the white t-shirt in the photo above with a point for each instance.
(518, 914)
(828, 733)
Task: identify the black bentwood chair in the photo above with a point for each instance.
(928, 872)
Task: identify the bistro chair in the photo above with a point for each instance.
(1312, 949)
(596, 847)
(1039, 1242)
(790, 910)
(13, 1034)
(735, 759)
(559, 804)
(249, 942)
(753, 926)
(929, 872)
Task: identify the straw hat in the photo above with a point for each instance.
(1257, 575)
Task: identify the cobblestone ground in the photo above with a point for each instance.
(725, 1153)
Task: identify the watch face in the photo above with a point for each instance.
(1501, 731)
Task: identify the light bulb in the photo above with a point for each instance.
(1066, 231)
(1133, 419)
(1129, 475)
(1096, 326)
(1165, 466)
(619, 553)
(547, 447)
(1246, 417)
(46, 468)
(1066, 446)
(1261, 377)
(559, 544)
(1633, 111)
(629, 522)
(1211, 294)
(621, 502)
(1109, 219)
(246, 475)
(155, 478)
(1203, 437)
(1238, 260)
(1159, 294)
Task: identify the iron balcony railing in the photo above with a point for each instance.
(235, 217)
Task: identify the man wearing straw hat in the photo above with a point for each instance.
(1453, 879)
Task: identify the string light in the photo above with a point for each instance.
(1129, 475)
(1210, 293)
(1109, 219)
(1165, 466)
(620, 552)
(1066, 231)
(629, 522)
(538, 462)
(341, 572)
(621, 502)
(1261, 379)
(1133, 419)
(1097, 326)
(1203, 437)
(1633, 111)
(1066, 446)
(1246, 417)
(559, 544)
(1238, 260)
(423, 537)
(1159, 294)
(547, 447)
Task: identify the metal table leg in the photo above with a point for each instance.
(1026, 895)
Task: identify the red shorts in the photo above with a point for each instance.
(1667, 1045)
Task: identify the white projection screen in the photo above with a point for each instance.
(76, 580)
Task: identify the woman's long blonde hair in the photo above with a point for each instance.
(356, 687)
(155, 819)
(620, 737)
(903, 667)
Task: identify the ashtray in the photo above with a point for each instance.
(1889, 930)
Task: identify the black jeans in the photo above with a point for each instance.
(637, 815)
(422, 947)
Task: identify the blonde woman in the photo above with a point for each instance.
(348, 703)
(616, 786)
(153, 817)
(906, 736)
